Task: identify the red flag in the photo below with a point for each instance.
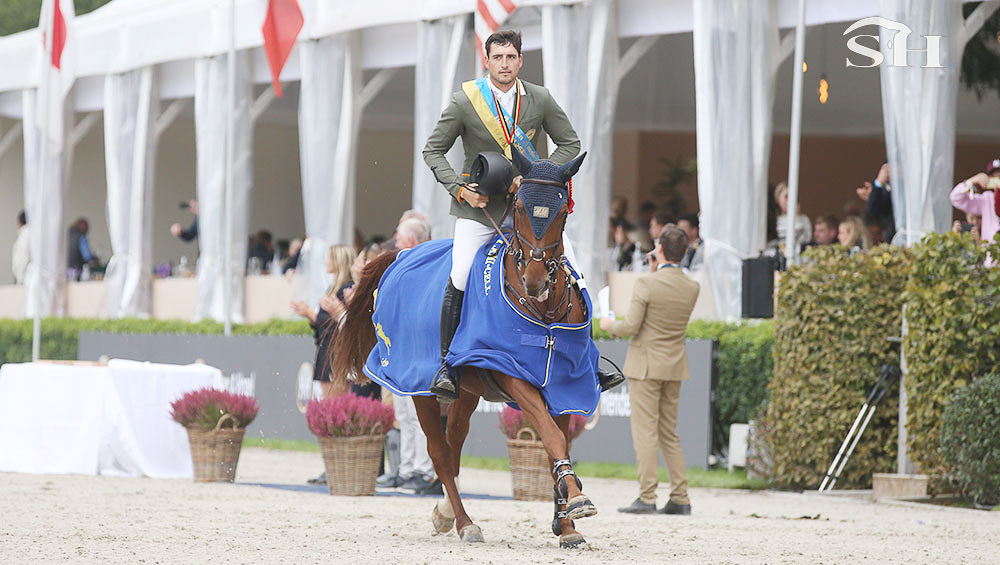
(281, 28)
(58, 35)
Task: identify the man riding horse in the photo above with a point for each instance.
(491, 114)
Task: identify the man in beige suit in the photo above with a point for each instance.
(658, 315)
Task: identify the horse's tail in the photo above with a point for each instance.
(356, 337)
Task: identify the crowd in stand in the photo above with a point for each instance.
(867, 222)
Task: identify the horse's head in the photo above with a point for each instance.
(539, 219)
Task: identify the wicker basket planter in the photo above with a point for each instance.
(352, 463)
(215, 453)
(530, 468)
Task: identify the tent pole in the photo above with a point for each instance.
(227, 266)
(38, 218)
(791, 250)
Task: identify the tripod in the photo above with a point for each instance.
(890, 375)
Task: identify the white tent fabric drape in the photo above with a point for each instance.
(329, 116)
(735, 49)
(918, 107)
(580, 59)
(47, 236)
(211, 106)
(131, 102)
(443, 52)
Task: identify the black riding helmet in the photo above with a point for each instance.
(492, 172)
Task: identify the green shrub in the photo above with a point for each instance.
(970, 444)
(60, 336)
(952, 317)
(834, 314)
(745, 364)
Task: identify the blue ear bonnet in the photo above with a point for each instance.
(542, 202)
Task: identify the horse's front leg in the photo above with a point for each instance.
(530, 401)
(562, 526)
(429, 415)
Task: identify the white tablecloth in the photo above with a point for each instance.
(94, 420)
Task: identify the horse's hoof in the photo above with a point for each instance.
(571, 541)
(471, 534)
(580, 507)
(442, 524)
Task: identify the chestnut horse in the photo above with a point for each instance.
(539, 284)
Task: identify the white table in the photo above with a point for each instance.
(96, 420)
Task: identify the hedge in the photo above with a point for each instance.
(953, 323)
(60, 336)
(834, 314)
(970, 445)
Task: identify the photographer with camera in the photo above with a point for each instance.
(977, 195)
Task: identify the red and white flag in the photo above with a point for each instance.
(281, 28)
(57, 64)
(490, 15)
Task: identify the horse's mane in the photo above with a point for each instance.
(356, 337)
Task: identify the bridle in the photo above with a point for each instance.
(555, 263)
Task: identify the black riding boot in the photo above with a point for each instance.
(609, 379)
(445, 385)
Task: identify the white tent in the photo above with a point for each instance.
(175, 42)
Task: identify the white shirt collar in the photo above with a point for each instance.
(506, 99)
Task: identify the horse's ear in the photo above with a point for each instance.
(521, 161)
(571, 168)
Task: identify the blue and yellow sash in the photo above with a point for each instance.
(505, 129)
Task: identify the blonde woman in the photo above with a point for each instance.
(331, 306)
(853, 235)
(802, 225)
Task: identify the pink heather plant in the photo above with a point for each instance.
(348, 415)
(513, 420)
(201, 409)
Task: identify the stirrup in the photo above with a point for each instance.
(445, 385)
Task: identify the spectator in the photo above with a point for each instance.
(825, 231)
(619, 207)
(656, 224)
(261, 252)
(624, 249)
(646, 212)
(191, 232)
(977, 195)
(20, 253)
(802, 227)
(853, 235)
(694, 256)
(655, 366)
(412, 232)
(416, 470)
(294, 252)
(878, 202)
(325, 320)
(876, 233)
(79, 253)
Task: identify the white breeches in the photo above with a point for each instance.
(470, 235)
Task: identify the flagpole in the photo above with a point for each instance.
(38, 218)
(227, 290)
(795, 138)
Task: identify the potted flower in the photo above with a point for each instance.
(215, 421)
(530, 465)
(351, 432)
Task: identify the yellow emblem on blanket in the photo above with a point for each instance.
(381, 335)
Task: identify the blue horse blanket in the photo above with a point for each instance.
(558, 359)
